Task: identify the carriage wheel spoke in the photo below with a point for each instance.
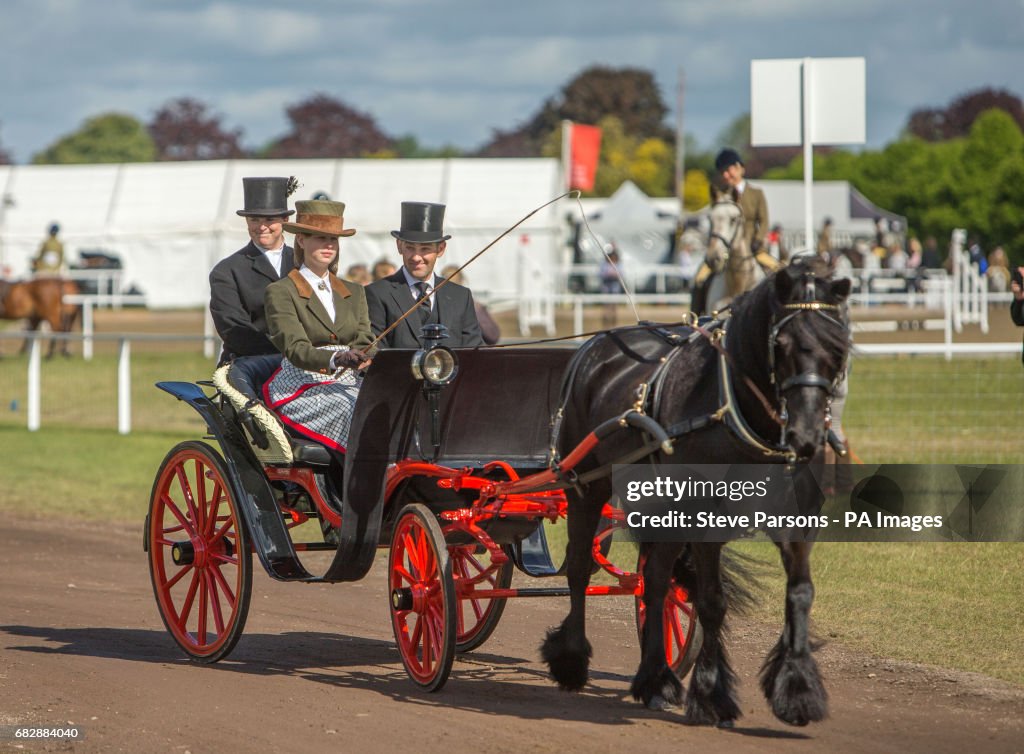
(189, 601)
(186, 525)
(225, 588)
(177, 577)
(200, 503)
(215, 598)
(186, 491)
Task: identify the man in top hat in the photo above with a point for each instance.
(237, 282)
(421, 242)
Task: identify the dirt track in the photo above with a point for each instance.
(81, 641)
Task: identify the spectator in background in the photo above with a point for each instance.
(1017, 305)
(896, 259)
(689, 256)
(358, 273)
(49, 261)
(977, 256)
(773, 243)
(916, 254)
(611, 284)
(489, 329)
(825, 240)
(914, 264)
(881, 232)
(998, 272)
(382, 268)
(930, 255)
(238, 282)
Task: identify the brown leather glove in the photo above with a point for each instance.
(351, 359)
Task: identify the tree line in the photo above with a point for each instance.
(953, 166)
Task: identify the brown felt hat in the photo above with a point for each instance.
(320, 218)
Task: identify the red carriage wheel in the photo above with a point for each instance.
(683, 632)
(422, 597)
(477, 616)
(200, 562)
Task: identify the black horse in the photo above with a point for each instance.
(761, 394)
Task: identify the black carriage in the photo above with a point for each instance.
(449, 467)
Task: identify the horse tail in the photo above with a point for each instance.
(741, 575)
(742, 579)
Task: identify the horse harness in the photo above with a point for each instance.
(649, 394)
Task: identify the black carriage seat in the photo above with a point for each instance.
(241, 382)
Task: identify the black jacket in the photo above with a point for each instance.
(237, 284)
(390, 298)
(1017, 307)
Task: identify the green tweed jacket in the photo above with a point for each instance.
(755, 216)
(298, 323)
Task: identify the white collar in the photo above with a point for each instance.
(314, 279)
(413, 282)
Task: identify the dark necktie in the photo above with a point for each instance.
(424, 309)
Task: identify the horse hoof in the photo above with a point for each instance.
(726, 724)
(659, 703)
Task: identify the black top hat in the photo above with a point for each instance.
(422, 222)
(265, 197)
(727, 158)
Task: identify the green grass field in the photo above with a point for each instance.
(954, 605)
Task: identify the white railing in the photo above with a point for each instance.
(578, 300)
(124, 406)
(33, 398)
(90, 300)
(969, 284)
(109, 282)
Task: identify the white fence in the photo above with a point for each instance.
(124, 356)
(33, 399)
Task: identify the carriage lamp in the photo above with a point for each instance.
(435, 364)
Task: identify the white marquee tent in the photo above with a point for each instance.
(170, 222)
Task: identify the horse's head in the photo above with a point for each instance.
(809, 341)
(726, 229)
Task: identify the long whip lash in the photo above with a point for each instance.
(618, 272)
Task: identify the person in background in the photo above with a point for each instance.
(320, 324)
(358, 273)
(382, 268)
(977, 256)
(489, 329)
(238, 282)
(1017, 305)
(421, 241)
(49, 261)
(930, 258)
(611, 284)
(896, 259)
(825, 240)
(998, 272)
(773, 244)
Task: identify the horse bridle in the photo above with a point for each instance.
(803, 379)
(728, 242)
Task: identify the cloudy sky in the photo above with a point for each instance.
(451, 71)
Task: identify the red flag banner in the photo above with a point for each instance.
(585, 148)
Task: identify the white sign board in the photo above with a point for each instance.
(836, 92)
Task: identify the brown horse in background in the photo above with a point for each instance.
(41, 300)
